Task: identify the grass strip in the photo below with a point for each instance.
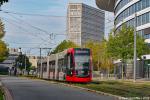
(120, 88)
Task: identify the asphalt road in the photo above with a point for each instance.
(27, 89)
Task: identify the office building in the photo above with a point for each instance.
(84, 23)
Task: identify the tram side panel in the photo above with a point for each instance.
(52, 65)
(51, 70)
(44, 68)
(62, 66)
(38, 70)
(56, 67)
(61, 72)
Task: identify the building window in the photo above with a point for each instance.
(142, 4)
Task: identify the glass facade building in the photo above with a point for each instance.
(134, 13)
(125, 11)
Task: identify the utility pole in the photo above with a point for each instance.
(25, 63)
(135, 56)
(40, 63)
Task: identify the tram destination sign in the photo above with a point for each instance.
(82, 51)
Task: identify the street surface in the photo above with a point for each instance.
(27, 89)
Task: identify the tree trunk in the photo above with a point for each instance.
(108, 72)
(115, 73)
(98, 64)
(122, 69)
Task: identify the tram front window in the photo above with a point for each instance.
(82, 63)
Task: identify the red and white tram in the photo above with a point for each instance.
(71, 65)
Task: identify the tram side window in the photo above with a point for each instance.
(68, 63)
(65, 63)
(44, 67)
(60, 65)
(52, 66)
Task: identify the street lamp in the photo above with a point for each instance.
(20, 53)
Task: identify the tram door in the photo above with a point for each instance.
(69, 64)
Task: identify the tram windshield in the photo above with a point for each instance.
(82, 63)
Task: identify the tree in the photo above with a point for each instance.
(3, 1)
(2, 32)
(3, 51)
(95, 48)
(121, 46)
(101, 59)
(20, 62)
(105, 58)
(64, 45)
(3, 47)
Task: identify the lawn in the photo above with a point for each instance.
(125, 89)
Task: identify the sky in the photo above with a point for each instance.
(29, 23)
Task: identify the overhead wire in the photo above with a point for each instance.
(35, 27)
(23, 29)
(43, 40)
(28, 14)
(17, 13)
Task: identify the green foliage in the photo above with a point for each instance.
(101, 59)
(20, 62)
(2, 32)
(3, 47)
(3, 51)
(121, 46)
(3, 1)
(95, 48)
(64, 45)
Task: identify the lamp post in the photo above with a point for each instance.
(135, 56)
(25, 63)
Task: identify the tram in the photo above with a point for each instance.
(71, 65)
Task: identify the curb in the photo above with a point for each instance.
(7, 94)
